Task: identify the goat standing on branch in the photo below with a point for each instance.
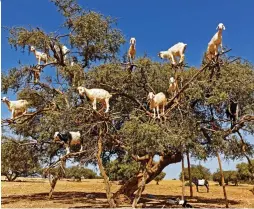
(95, 94)
(216, 41)
(175, 51)
(17, 108)
(232, 112)
(69, 139)
(132, 50)
(157, 101)
(37, 73)
(40, 56)
(173, 86)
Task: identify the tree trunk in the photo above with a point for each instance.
(183, 177)
(189, 172)
(111, 201)
(222, 180)
(53, 184)
(140, 190)
(133, 184)
(11, 177)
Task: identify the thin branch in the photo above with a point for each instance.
(31, 115)
(238, 125)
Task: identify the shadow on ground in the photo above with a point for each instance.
(74, 198)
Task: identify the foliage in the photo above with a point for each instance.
(159, 177)
(77, 173)
(229, 176)
(197, 171)
(121, 170)
(18, 160)
(244, 171)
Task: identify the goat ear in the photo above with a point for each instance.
(224, 28)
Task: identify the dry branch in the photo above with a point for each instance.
(30, 116)
(110, 198)
(238, 125)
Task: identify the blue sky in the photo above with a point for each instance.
(156, 25)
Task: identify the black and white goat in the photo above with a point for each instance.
(69, 139)
(232, 112)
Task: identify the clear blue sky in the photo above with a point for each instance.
(157, 25)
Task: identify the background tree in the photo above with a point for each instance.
(229, 176)
(198, 171)
(18, 160)
(244, 173)
(77, 173)
(159, 177)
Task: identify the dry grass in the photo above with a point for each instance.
(33, 193)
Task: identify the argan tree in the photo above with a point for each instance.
(197, 171)
(195, 119)
(18, 160)
(160, 177)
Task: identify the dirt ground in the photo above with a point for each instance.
(33, 193)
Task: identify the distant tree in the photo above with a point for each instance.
(77, 173)
(244, 173)
(198, 171)
(229, 176)
(159, 177)
(17, 160)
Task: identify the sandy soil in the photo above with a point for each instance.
(33, 193)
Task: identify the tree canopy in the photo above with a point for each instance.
(18, 160)
(197, 122)
(77, 173)
(245, 171)
(197, 171)
(229, 176)
(159, 177)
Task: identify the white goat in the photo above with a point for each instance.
(17, 108)
(132, 50)
(65, 51)
(216, 41)
(69, 139)
(157, 101)
(96, 94)
(175, 51)
(173, 86)
(40, 56)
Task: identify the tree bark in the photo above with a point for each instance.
(133, 184)
(222, 180)
(11, 177)
(52, 184)
(189, 172)
(111, 201)
(140, 190)
(183, 177)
